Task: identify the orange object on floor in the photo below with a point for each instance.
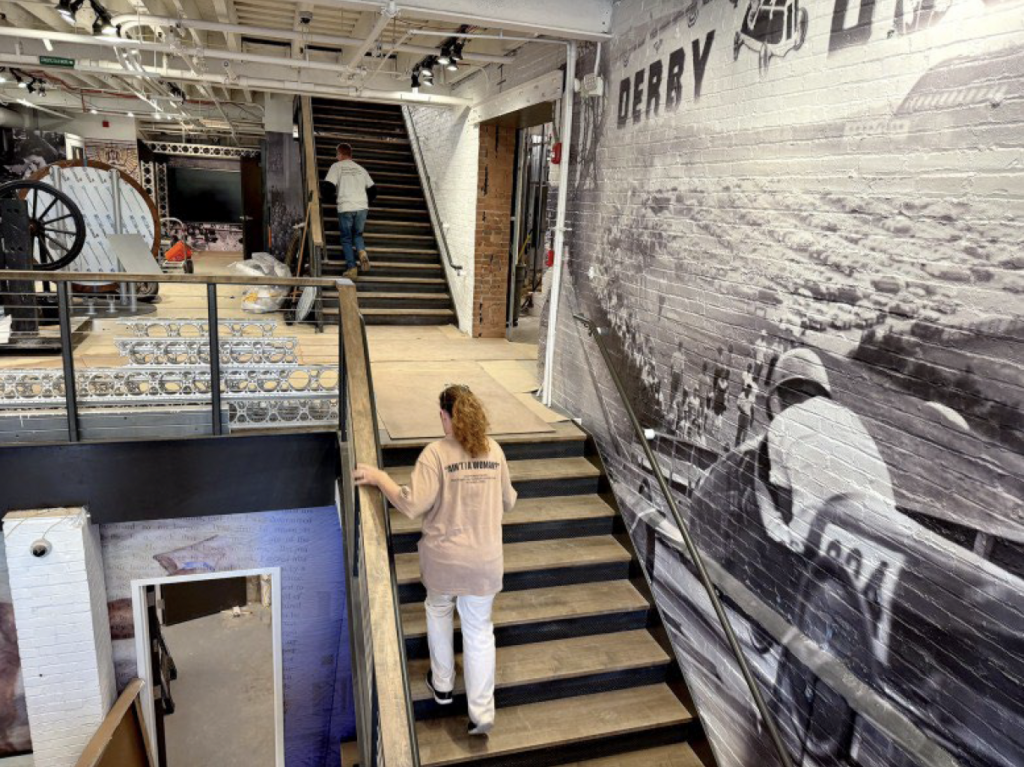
(179, 251)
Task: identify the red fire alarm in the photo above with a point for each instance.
(551, 259)
(556, 154)
(106, 123)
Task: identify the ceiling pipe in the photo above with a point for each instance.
(290, 87)
(104, 41)
(129, 21)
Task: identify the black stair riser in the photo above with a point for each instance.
(365, 287)
(514, 451)
(546, 631)
(367, 301)
(539, 579)
(538, 692)
(408, 320)
(405, 543)
(573, 486)
(383, 271)
(361, 106)
(384, 252)
(571, 753)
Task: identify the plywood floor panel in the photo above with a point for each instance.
(407, 399)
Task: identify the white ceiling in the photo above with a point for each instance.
(223, 54)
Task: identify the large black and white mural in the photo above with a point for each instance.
(800, 221)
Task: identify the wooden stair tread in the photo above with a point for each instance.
(513, 608)
(538, 726)
(536, 555)
(675, 755)
(529, 511)
(556, 660)
(534, 469)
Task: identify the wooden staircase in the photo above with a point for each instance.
(584, 673)
(407, 284)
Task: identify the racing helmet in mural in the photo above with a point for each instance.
(800, 365)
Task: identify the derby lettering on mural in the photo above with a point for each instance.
(642, 95)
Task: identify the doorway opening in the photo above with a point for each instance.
(208, 647)
(528, 262)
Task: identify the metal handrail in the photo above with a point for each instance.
(428, 188)
(393, 699)
(730, 635)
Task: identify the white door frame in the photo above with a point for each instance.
(142, 642)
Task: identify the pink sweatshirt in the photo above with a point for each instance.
(463, 500)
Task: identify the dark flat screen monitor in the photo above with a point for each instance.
(200, 195)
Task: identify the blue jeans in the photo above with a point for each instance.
(352, 225)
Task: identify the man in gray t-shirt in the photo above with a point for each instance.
(355, 190)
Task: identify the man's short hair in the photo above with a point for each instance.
(345, 149)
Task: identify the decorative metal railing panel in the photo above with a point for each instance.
(129, 385)
(200, 328)
(196, 351)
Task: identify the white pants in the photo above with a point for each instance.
(478, 654)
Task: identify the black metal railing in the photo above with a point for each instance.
(767, 719)
(54, 315)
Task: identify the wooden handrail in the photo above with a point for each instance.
(316, 224)
(388, 656)
(190, 279)
(122, 740)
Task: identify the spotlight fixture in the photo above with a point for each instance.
(93, 112)
(453, 66)
(416, 82)
(68, 8)
(426, 75)
(31, 86)
(446, 55)
(102, 24)
(17, 78)
(131, 114)
(457, 50)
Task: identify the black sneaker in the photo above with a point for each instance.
(441, 698)
(479, 729)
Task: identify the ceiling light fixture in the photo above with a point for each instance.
(415, 82)
(457, 50)
(102, 24)
(131, 114)
(68, 8)
(93, 112)
(453, 66)
(446, 55)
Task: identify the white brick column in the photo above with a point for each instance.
(60, 610)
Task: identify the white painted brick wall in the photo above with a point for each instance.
(451, 145)
(60, 609)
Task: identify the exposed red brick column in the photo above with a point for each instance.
(493, 230)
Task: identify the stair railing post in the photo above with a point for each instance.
(214, 334)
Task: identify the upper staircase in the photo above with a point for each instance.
(407, 283)
(584, 673)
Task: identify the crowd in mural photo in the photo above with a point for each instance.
(817, 314)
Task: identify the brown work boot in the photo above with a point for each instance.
(351, 274)
(364, 261)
